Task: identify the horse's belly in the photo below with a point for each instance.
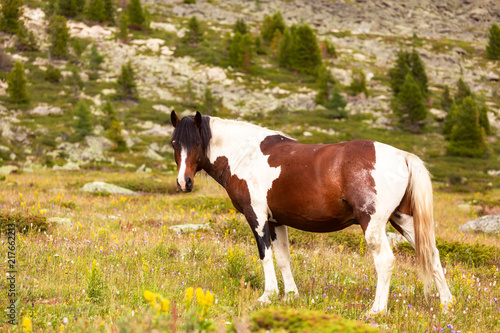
(304, 224)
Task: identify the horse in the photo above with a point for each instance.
(277, 182)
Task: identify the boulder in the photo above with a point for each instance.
(151, 154)
(45, 110)
(190, 227)
(489, 224)
(102, 187)
(60, 220)
(8, 169)
(69, 166)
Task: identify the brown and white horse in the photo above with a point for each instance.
(277, 182)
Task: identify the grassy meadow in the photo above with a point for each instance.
(114, 264)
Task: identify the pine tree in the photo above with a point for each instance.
(446, 100)
(11, 13)
(146, 25)
(122, 33)
(70, 8)
(467, 136)
(26, 40)
(240, 26)
(17, 82)
(325, 85)
(409, 104)
(484, 122)
(126, 86)
(109, 11)
(114, 133)
(75, 80)
(208, 102)
(135, 14)
(285, 56)
(493, 47)
(110, 115)
(450, 120)
(240, 51)
(306, 56)
(59, 36)
(83, 124)
(96, 10)
(95, 61)
(328, 49)
(194, 35)
(258, 45)
(275, 44)
(358, 83)
(463, 90)
(270, 25)
(408, 62)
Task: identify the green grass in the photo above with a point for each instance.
(95, 270)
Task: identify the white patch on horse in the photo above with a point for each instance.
(240, 143)
(390, 185)
(181, 176)
(271, 283)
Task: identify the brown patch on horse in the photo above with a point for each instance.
(238, 192)
(342, 174)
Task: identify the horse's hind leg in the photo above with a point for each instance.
(404, 224)
(282, 253)
(377, 242)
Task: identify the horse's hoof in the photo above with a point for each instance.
(375, 312)
(264, 299)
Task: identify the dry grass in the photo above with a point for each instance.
(134, 250)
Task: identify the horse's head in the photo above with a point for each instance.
(190, 142)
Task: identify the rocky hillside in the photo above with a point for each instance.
(450, 36)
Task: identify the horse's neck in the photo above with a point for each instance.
(237, 142)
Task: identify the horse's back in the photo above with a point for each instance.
(321, 186)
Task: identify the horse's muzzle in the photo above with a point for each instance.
(189, 185)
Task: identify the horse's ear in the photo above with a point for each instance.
(197, 120)
(174, 119)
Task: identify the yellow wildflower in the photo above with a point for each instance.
(149, 296)
(200, 298)
(189, 294)
(209, 298)
(27, 325)
(164, 305)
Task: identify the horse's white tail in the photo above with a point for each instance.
(420, 191)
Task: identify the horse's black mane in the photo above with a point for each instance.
(187, 135)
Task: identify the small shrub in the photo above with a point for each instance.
(302, 321)
(471, 254)
(96, 10)
(17, 82)
(493, 47)
(5, 60)
(409, 105)
(96, 288)
(11, 13)
(240, 51)
(114, 133)
(210, 103)
(463, 91)
(270, 25)
(328, 49)
(126, 86)
(52, 74)
(122, 33)
(135, 14)
(358, 83)
(189, 2)
(23, 223)
(69, 8)
(95, 61)
(59, 37)
(240, 26)
(305, 53)
(83, 124)
(467, 136)
(194, 35)
(446, 99)
(26, 40)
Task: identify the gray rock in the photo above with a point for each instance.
(489, 224)
(45, 110)
(153, 155)
(143, 169)
(8, 169)
(190, 227)
(69, 166)
(102, 187)
(60, 220)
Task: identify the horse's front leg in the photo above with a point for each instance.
(279, 236)
(261, 231)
